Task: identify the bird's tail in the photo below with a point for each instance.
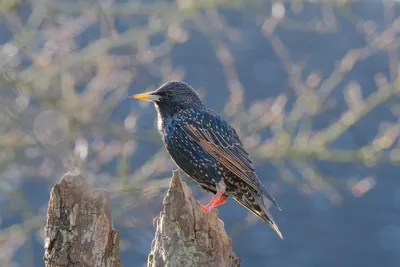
(258, 207)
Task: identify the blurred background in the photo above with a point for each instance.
(312, 87)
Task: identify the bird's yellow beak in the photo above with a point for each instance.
(146, 96)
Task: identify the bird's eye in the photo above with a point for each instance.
(165, 94)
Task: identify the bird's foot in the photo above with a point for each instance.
(207, 209)
(204, 208)
(217, 200)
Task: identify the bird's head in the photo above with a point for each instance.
(172, 97)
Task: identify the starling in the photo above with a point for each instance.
(208, 149)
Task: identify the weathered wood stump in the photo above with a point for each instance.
(186, 236)
(79, 230)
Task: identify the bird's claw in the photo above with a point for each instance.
(206, 209)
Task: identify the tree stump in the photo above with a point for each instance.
(79, 228)
(186, 236)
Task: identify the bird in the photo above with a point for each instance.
(208, 149)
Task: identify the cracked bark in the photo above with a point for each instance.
(79, 228)
(186, 236)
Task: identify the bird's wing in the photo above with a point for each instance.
(220, 140)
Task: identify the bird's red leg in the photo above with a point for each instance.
(222, 200)
(217, 200)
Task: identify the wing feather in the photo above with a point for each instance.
(227, 149)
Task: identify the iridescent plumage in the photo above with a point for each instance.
(208, 149)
